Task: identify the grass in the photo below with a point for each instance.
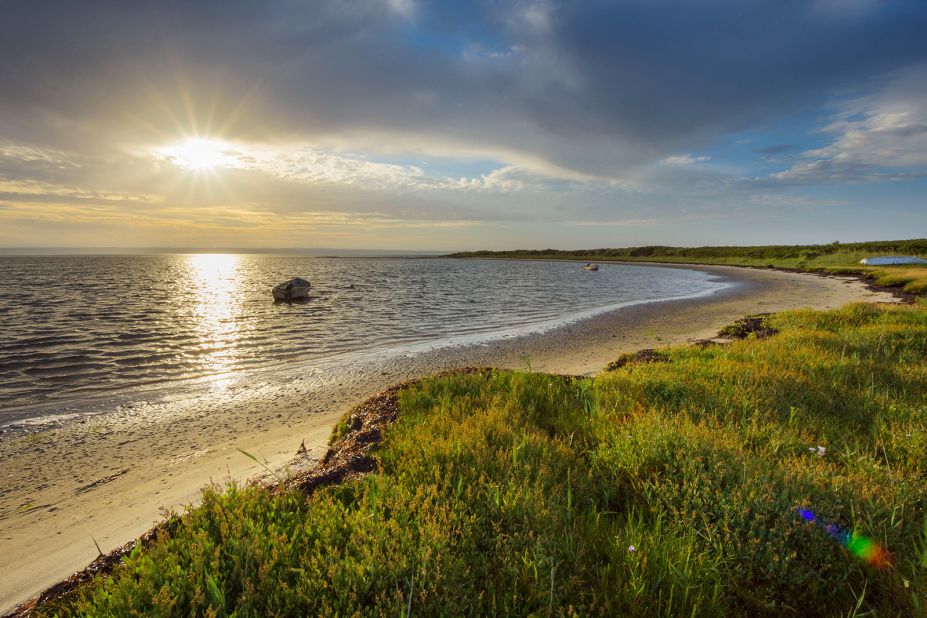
(677, 488)
(835, 258)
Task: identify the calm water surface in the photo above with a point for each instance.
(77, 328)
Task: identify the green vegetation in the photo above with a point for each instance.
(835, 258)
(657, 489)
(757, 325)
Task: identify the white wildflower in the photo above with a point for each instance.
(632, 548)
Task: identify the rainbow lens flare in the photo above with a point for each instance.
(860, 546)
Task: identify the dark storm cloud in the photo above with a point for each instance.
(591, 87)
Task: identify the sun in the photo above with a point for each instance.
(198, 154)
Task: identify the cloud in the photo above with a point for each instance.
(304, 164)
(776, 149)
(588, 90)
(686, 159)
(12, 153)
(29, 190)
(534, 16)
(878, 137)
(405, 8)
(496, 113)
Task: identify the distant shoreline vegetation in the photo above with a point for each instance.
(833, 259)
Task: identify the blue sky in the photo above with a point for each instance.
(403, 124)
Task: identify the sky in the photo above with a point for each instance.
(403, 124)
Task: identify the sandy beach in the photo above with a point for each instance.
(107, 479)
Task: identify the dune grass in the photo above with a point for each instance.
(911, 279)
(679, 488)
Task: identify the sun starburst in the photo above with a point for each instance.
(198, 154)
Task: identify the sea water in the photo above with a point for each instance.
(78, 329)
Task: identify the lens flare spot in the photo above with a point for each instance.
(860, 546)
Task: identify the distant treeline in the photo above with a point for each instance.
(770, 252)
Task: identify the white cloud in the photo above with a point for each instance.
(504, 179)
(405, 8)
(25, 190)
(882, 136)
(476, 52)
(533, 16)
(24, 153)
(686, 159)
(305, 164)
(309, 165)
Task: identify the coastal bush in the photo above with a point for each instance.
(784, 476)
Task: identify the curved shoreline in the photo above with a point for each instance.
(66, 406)
(108, 478)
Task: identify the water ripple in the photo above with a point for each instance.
(103, 324)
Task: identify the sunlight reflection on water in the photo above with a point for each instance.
(215, 279)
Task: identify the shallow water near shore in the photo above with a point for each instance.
(83, 333)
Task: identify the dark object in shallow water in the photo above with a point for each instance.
(294, 289)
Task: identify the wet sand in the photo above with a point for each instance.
(108, 478)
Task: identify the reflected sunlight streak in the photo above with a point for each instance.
(214, 281)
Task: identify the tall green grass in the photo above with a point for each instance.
(658, 489)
